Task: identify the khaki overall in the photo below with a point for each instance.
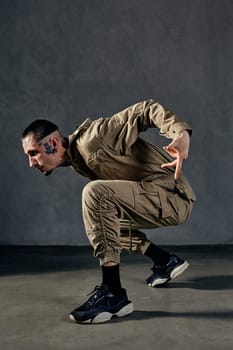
(129, 190)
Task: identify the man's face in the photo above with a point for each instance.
(44, 155)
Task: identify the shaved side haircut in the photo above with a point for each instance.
(40, 128)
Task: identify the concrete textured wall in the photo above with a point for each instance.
(67, 60)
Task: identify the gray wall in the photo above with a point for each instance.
(70, 59)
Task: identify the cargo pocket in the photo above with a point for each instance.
(174, 207)
(169, 206)
(96, 158)
(147, 201)
(158, 202)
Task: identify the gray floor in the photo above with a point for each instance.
(39, 286)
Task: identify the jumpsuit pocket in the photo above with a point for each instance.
(165, 199)
(147, 201)
(174, 206)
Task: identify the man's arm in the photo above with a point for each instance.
(172, 127)
(151, 114)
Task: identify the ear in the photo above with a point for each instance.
(54, 141)
(56, 144)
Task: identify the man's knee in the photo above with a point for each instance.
(96, 191)
(93, 188)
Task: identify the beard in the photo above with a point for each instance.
(64, 162)
(48, 173)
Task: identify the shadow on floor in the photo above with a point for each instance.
(205, 283)
(142, 315)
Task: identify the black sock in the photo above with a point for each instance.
(158, 255)
(111, 278)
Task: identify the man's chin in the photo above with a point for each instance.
(47, 173)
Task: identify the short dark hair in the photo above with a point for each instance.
(40, 128)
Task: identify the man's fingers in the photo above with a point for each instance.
(178, 149)
(179, 162)
(168, 165)
(175, 163)
(172, 151)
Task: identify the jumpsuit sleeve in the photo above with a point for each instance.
(120, 131)
(130, 122)
(151, 114)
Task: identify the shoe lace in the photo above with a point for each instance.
(98, 292)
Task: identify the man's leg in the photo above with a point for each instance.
(101, 219)
(174, 210)
(105, 204)
(113, 208)
(165, 267)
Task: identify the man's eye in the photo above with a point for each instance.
(33, 153)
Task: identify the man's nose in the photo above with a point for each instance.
(31, 162)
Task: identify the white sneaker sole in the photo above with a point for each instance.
(179, 270)
(106, 316)
(175, 273)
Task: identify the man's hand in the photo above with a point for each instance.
(179, 149)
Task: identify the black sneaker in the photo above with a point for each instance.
(162, 274)
(102, 306)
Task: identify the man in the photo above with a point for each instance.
(134, 185)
